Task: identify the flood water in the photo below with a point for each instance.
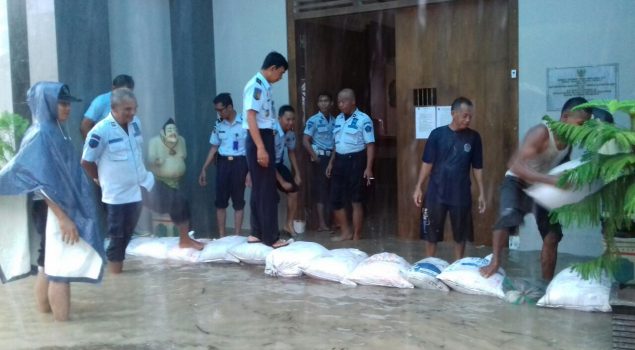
(171, 305)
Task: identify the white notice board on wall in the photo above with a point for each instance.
(590, 82)
(430, 117)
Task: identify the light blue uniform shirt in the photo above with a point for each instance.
(229, 137)
(99, 108)
(257, 97)
(119, 158)
(283, 140)
(352, 134)
(321, 131)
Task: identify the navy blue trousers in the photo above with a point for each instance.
(264, 195)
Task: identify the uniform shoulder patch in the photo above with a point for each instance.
(257, 93)
(258, 81)
(94, 141)
(368, 128)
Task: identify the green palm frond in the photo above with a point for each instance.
(627, 106)
(611, 204)
(593, 134)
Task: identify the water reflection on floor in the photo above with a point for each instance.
(169, 305)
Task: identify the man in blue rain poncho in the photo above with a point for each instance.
(48, 166)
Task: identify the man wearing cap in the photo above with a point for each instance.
(260, 150)
(287, 182)
(167, 153)
(351, 165)
(100, 107)
(450, 153)
(228, 141)
(318, 142)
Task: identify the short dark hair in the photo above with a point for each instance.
(603, 115)
(275, 59)
(460, 101)
(325, 93)
(123, 80)
(284, 109)
(573, 102)
(224, 98)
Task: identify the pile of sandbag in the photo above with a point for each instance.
(352, 266)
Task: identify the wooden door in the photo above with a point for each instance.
(461, 48)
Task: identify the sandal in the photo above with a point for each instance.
(253, 241)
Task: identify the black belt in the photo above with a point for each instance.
(351, 155)
(230, 158)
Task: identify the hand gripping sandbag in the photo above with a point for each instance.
(334, 265)
(286, 261)
(423, 274)
(568, 290)
(383, 269)
(464, 276)
(552, 197)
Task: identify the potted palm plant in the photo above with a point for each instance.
(609, 159)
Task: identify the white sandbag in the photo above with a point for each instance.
(251, 253)
(335, 265)
(464, 276)
(552, 197)
(423, 274)
(218, 249)
(286, 261)
(383, 269)
(568, 290)
(152, 247)
(186, 254)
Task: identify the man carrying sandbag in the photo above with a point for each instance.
(540, 151)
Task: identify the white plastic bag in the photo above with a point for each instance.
(286, 261)
(383, 269)
(423, 274)
(464, 276)
(152, 247)
(218, 249)
(568, 290)
(552, 197)
(251, 253)
(334, 265)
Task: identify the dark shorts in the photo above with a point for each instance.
(347, 179)
(433, 227)
(39, 213)
(165, 199)
(320, 184)
(121, 221)
(288, 177)
(230, 181)
(515, 204)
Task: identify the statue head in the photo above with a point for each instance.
(170, 131)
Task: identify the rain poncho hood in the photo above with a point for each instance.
(48, 162)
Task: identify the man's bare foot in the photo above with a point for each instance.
(253, 239)
(281, 243)
(487, 271)
(341, 238)
(115, 267)
(190, 243)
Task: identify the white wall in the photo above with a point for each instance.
(570, 33)
(40, 17)
(6, 99)
(245, 31)
(143, 49)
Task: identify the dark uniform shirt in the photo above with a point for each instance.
(452, 155)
